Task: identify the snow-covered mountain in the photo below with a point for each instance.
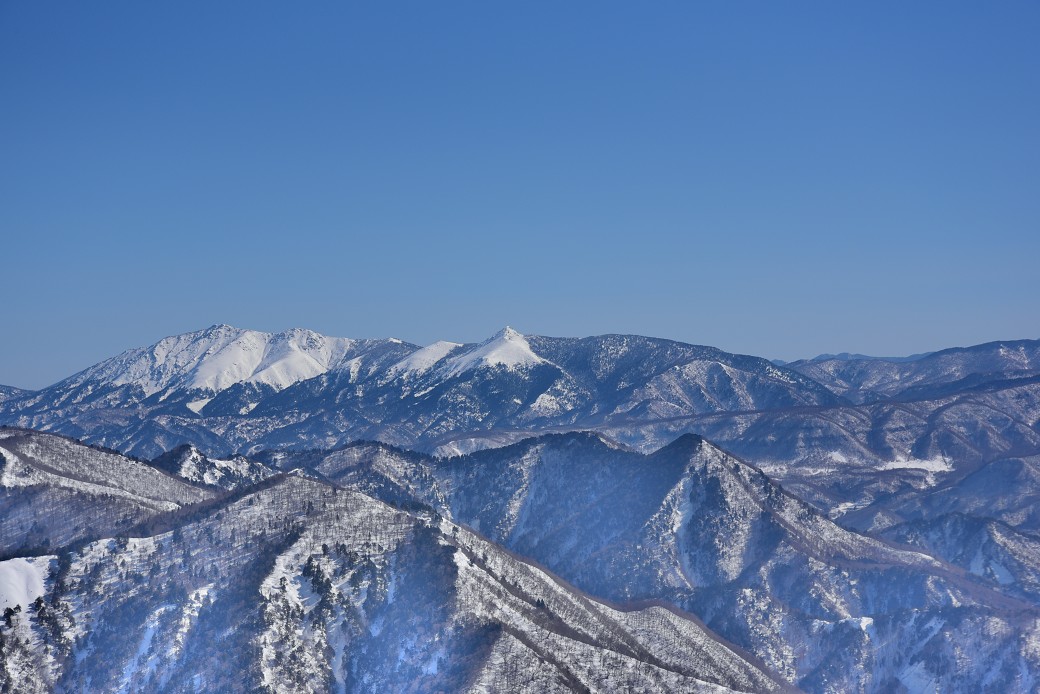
(188, 371)
(561, 563)
(826, 608)
(961, 411)
(872, 465)
(296, 585)
(930, 421)
(191, 464)
(867, 379)
(229, 390)
(55, 492)
(612, 513)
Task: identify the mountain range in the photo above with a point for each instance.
(612, 513)
(231, 390)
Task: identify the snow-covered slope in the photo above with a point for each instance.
(421, 361)
(229, 390)
(10, 393)
(507, 348)
(205, 363)
(868, 379)
(54, 491)
(189, 463)
(830, 609)
(978, 544)
(296, 586)
(375, 569)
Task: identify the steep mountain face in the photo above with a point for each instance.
(868, 380)
(228, 390)
(828, 609)
(311, 588)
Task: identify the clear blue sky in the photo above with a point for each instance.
(781, 179)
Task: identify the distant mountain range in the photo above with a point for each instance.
(612, 513)
(230, 390)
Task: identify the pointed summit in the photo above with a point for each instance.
(507, 348)
(508, 333)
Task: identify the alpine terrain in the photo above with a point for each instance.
(232, 510)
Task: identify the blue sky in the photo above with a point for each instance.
(781, 179)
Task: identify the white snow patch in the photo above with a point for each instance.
(841, 509)
(546, 405)
(21, 581)
(141, 663)
(929, 465)
(197, 405)
(1000, 572)
(189, 614)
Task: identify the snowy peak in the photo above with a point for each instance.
(277, 360)
(507, 348)
(296, 355)
(220, 356)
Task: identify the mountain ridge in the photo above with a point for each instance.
(229, 385)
